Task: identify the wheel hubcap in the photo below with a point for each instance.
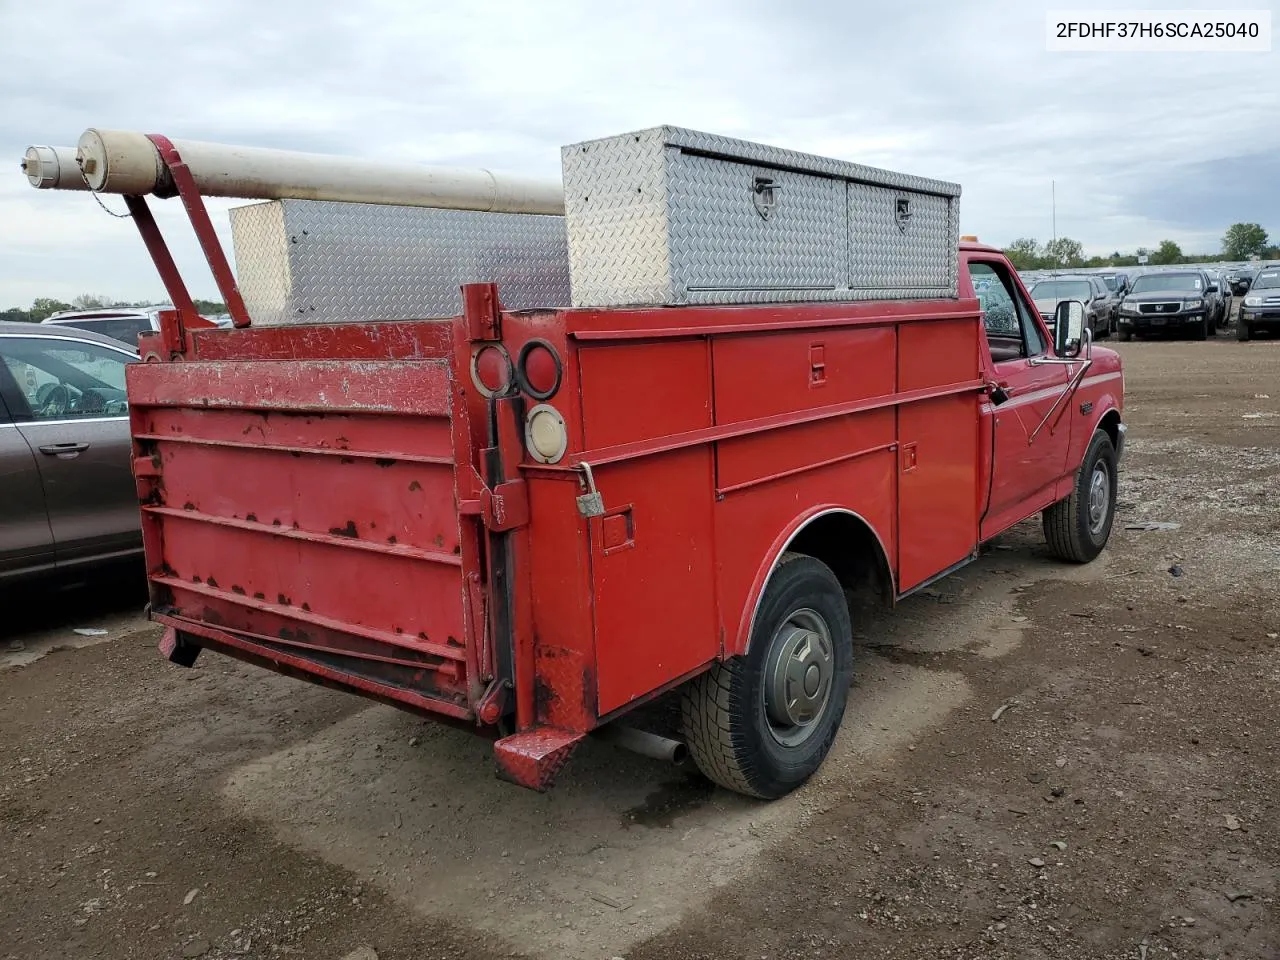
(798, 674)
(1099, 497)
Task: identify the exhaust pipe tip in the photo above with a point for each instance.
(644, 743)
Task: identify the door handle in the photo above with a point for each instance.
(59, 449)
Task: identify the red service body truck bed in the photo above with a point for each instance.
(530, 522)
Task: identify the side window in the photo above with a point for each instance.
(1012, 332)
(63, 379)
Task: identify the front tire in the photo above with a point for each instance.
(1242, 331)
(1123, 335)
(1201, 332)
(762, 724)
(1078, 527)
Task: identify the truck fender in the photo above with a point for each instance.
(824, 513)
(1105, 415)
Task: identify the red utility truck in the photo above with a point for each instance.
(531, 521)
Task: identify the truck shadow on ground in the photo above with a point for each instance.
(623, 845)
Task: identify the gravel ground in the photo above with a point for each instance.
(1122, 805)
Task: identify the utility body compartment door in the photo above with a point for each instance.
(938, 482)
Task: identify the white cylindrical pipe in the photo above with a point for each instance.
(53, 168)
(116, 161)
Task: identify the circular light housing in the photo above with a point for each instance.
(539, 369)
(545, 435)
(491, 369)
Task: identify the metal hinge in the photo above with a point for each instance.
(505, 507)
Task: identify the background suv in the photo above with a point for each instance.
(1170, 301)
(122, 323)
(1099, 303)
(1260, 309)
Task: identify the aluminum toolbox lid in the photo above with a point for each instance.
(730, 148)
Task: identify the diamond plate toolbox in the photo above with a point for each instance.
(673, 216)
(312, 261)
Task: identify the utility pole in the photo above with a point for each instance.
(1053, 187)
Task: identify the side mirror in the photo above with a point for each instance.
(1068, 329)
(1212, 288)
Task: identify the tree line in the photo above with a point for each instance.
(1240, 242)
(44, 307)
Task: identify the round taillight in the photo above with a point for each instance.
(545, 434)
(539, 369)
(491, 369)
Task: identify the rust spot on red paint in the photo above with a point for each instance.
(385, 462)
(392, 539)
(283, 600)
(275, 522)
(306, 606)
(453, 641)
(196, 579)
(346, 459)
(422, 635)
(543, 696)
(415, 486)
(212, 582)
(439, 541)
(259, 596)
(188, 505)
(251, 517)
(348, 531)
(399, 630)
(237, 589)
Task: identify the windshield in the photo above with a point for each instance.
(1270, 278)
(1111, 282)
(1172, 282)
(1062, 290)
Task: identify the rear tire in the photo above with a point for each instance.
(1078, 527)
(761, 724)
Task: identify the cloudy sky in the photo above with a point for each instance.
(1142, 147)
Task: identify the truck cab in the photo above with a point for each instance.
(1039, 417)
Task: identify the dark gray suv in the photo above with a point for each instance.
(67, 494)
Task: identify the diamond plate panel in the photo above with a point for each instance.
(666, 216)
(308, 261)
(616, 209)
(720, 242)
(918, 255)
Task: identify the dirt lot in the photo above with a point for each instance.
(1124, 805)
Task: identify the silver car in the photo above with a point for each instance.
(67, 493)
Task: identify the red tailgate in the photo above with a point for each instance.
(302, 511)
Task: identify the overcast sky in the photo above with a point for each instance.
(1142, 147)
